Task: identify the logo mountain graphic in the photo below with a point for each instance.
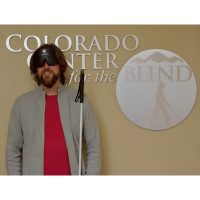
(158, 58)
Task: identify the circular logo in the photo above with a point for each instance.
(156, 89)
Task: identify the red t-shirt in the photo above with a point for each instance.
(56, 159)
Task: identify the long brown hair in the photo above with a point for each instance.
(61, 61)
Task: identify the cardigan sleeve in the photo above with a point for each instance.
(92, 140)
(14, 143)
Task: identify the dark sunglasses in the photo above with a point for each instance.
(44, 56)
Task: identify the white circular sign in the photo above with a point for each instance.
(156, 89)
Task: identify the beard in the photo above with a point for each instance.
(49, 81)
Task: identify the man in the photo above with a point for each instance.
(43, 133)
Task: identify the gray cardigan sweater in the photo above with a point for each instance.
(25, 144)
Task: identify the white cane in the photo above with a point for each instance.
(80, 95)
